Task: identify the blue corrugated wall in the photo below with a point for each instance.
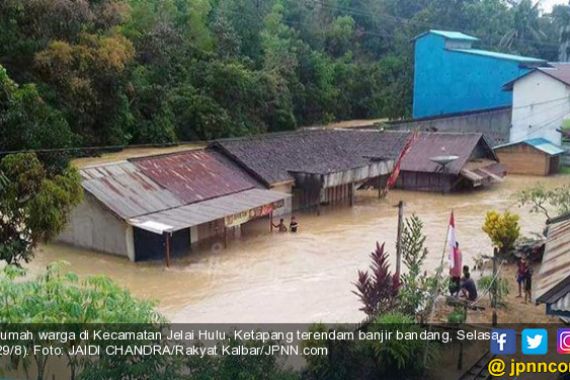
(448, 82)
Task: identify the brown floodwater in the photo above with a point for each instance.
(303, 277)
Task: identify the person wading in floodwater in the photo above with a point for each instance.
(281, 227)
(293, 226)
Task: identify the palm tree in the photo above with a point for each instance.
(526, 26)
(561, 17)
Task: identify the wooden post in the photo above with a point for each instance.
(351, 194)
(379, 186)
(271, 221)
(399, 237)
(167, 246)
(225, 237)
(494, 287)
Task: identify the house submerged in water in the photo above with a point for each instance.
(446, 162)
(160, 206)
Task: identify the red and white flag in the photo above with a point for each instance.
(454, 252)
(396, 171)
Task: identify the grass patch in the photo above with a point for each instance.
(565, 169)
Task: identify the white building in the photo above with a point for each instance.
(541, 103)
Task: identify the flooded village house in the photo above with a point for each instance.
(157, 206)
(316, 166)
(446, 162)
(161, 206)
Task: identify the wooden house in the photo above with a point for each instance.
(472, 163)
(536, 156)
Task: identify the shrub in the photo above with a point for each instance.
(377, 289)
(503, 229)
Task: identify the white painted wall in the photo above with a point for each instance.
(540, 104)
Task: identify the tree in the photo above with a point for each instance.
(552, 203)
(88, 80)
(378, 288)
(561, 16)
(502, 229)
(33, 205)
(58, 299)
(526, 29)
(26, 121)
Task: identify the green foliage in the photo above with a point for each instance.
(551, 203)
(502, 229)
(373, 358)
(402, 356)
(486, 282)
(150, 71)
(34, 205)
(59, 297)
(26, 121)
(414, 289)
(458, 315)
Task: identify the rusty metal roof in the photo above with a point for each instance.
(553, 279)
(429, 145)
(124, 189)
(206, 211)
(196, 175)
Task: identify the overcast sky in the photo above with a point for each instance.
(548, 4)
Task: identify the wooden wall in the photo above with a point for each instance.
(524, 159)
(420, 181)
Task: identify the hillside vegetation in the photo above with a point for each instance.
(116, 72)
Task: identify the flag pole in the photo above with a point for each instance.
(436, 287)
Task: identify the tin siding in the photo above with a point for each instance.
(91, 226)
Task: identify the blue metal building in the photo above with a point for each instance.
(452, 77)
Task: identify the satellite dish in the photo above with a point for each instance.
(443, 160)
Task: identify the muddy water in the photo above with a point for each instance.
(303, 277)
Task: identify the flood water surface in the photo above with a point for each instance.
(308, 276)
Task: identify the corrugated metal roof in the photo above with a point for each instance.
(552, 281)
(556, 70)
(450, 35)
(545, 146)
(195, 175)
(271, 157)
(563, 304)
(430, 145)
(539, 143)
(207, 211)
(493, 54)
(124, 189)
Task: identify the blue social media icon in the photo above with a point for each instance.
(503, 341)
(534, 342)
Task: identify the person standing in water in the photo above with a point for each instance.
(281, 227)
(294, 225)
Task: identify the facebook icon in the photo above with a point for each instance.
(503, 341)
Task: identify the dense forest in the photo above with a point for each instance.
(116, 72)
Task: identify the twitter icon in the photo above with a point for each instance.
(534, 341)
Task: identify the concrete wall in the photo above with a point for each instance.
(92, 226)
(540, 104)
(494, 124)
(447, 81)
